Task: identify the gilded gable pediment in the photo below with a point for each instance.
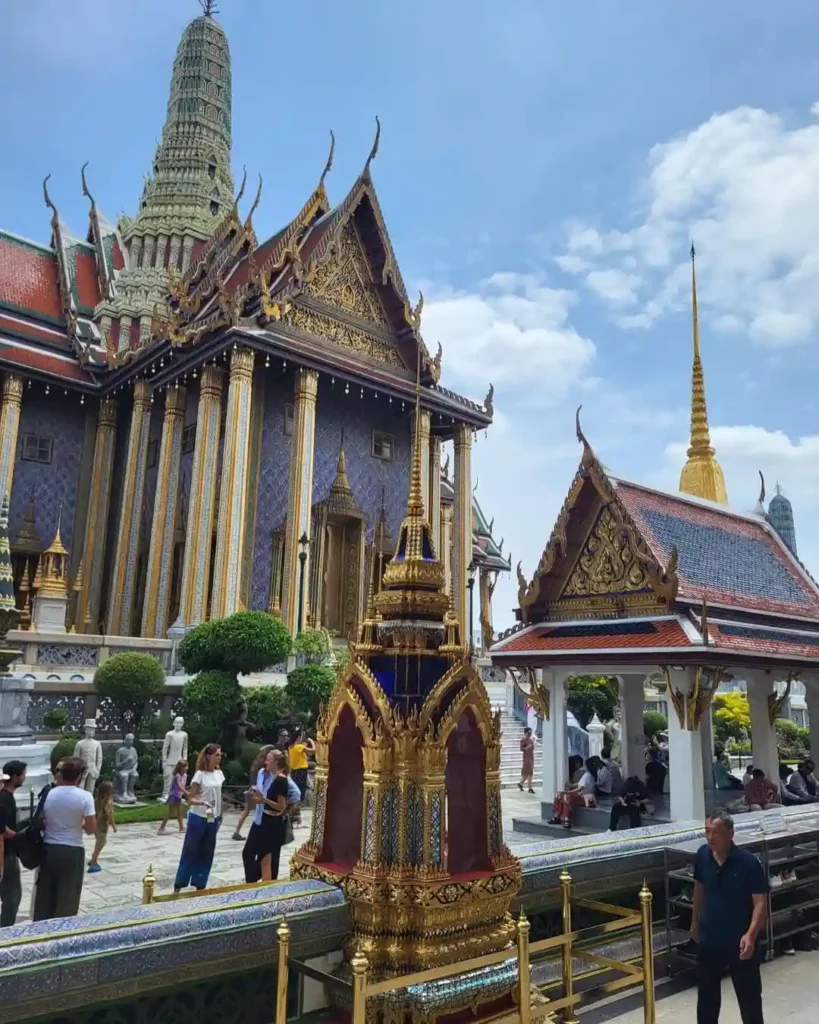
(345, 281)
(608, 562)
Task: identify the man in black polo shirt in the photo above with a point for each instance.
(10, 887)
(730, 904)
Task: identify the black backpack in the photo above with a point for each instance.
(28, 843)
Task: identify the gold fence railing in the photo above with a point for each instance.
(149, 890)
(532, 1002)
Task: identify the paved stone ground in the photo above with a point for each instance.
(790, 996)
(129, 853)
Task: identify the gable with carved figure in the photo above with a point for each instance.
(345, 281)
(607, 563)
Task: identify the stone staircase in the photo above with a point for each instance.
(512, 732)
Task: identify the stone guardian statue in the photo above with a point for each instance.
(174, 749)
(90, 751)
(127, 762)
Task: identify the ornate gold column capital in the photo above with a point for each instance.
(306, 385)
(212, 382)
(12, 389)
(142, 395)
(175, 402)
(107, 415)
(242, 360)
(463, 437)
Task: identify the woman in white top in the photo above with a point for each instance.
(68, 812)
(204, 819)
(579, 795)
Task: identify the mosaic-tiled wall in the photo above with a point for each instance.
(120, 453)
(274, 470)
(358, 418)
(335, 411)
(62, 420)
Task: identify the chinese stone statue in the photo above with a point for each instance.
(127, 762)
(174, 750)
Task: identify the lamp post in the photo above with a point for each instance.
(304, 543)
(471, 585)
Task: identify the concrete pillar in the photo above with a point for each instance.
(707, 734)
(633, 741)
(555, 752)
(160, 555)
(685, 755)
(9, 429)
(193, 602)
(763, 734)
(96, 523)
(123, 579)
(300, 501)
(230, 532)
(462, 522)
(812, 701)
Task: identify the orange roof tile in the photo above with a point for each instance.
(28, 278)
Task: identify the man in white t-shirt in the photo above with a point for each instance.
(69, 812)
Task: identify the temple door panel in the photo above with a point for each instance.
(466, 798)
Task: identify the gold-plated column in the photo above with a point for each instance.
(423, 441)
(9, 428)
(462, 526)
(193, 603)
(569, 1016)
(359, 967)
(300, 495)
(123, 579)
(160, 555)
(282, 972)
(148, 885)
(96, 523)
(230, 532)
(649, 1005)
(445, 554)
(524, 976)
(434, 510)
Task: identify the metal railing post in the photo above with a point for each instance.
(148, 885)
(359, 967)
(649, 1006)
(569, 1016)
(283, 934)
(524, 977)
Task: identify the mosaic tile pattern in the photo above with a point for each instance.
(435, 829)
(387, 815)
(56, 484)
(369, 832)
(64, 655)
(149, 491)
(274, 478)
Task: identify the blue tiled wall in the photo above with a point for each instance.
(55, 484)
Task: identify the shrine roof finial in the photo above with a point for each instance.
(329, 165)
(374, 150)
(209, 8)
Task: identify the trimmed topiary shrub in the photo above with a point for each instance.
(211, 698)
(654, 722)
(129, 680)
(56, 719)
(308, 687)
(268, 707)
(63, 748)
(242, 643)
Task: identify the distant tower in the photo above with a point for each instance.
(780, 516)
(702, 474)
(190, 188)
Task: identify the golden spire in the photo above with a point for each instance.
(52, 568)
(702, 475)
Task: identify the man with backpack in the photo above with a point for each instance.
(11, 890)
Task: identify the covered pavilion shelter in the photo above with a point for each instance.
(642, 585)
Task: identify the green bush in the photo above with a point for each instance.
(788, 731)
(590, 695)
(63, 748)
(308, 687)
(129, 680)
(803, 738)
(56, 718)
(654, 722)
(211, 697)
(109, 758)
(150, 767)
(268, 707)
(314, 644)
(242, 643)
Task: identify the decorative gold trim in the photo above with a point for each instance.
(691, 707)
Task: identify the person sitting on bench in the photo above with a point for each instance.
(580, 795)
(631, 801)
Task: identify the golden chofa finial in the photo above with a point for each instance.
(702, 475)
(53, 567)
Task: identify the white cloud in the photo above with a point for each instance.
(511, 329)
(615, 286)
(745, 185)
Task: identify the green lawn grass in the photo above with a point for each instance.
(152, 811)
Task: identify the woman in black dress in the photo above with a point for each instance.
(273, 824)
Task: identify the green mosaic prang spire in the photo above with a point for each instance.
(191, 186)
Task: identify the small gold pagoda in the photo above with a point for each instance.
(408, 806)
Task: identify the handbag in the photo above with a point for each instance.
(28, 843)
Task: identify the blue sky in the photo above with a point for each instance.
(542, 168)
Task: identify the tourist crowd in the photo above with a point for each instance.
(52, 842)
